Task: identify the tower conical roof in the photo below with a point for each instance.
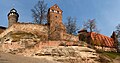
(14, 11)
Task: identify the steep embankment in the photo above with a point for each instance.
(70, 54)
(63, 54)
(26, 27)
(9, 58)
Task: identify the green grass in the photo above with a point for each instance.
(111, 55)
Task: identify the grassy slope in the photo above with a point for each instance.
(111, 55)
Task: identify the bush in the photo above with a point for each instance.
(62, 44)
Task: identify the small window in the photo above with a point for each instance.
(52, 10)
(56, 16)
(57, 12)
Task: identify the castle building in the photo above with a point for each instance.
(99, 40)
(54, 30)
(55, 22)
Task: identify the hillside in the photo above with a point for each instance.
(61, 54)
(27, 45)
(10, 58)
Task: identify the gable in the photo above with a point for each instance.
(55, 8)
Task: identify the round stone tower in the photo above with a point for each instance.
(12, 17)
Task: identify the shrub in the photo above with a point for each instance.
(62, 44)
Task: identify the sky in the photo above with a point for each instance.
(105, 12)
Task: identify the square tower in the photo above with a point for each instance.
(55, 22)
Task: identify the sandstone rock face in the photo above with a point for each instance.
(19, 40)
(2, 29)
(28, 28)
(70, 37)
(70, 54)
(51, 50)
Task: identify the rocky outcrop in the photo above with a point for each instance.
(71, 54)
(28, 28)
(2, 29)
(70, 37)
(52, 51)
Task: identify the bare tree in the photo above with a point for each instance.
(55, 33)
(39, 13)
(71, 27)
(118, 31)
(91, 25)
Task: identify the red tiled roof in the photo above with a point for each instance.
(100, 39)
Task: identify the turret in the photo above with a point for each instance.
(54, 14)
(12, 17)
(55, 22)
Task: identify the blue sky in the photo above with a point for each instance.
(106, 12)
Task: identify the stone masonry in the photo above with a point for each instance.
(54, 30)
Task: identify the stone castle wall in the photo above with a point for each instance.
(36, 29)
(70, 37)
(27, 27)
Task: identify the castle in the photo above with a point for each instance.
(53, 30)
(99, 41)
